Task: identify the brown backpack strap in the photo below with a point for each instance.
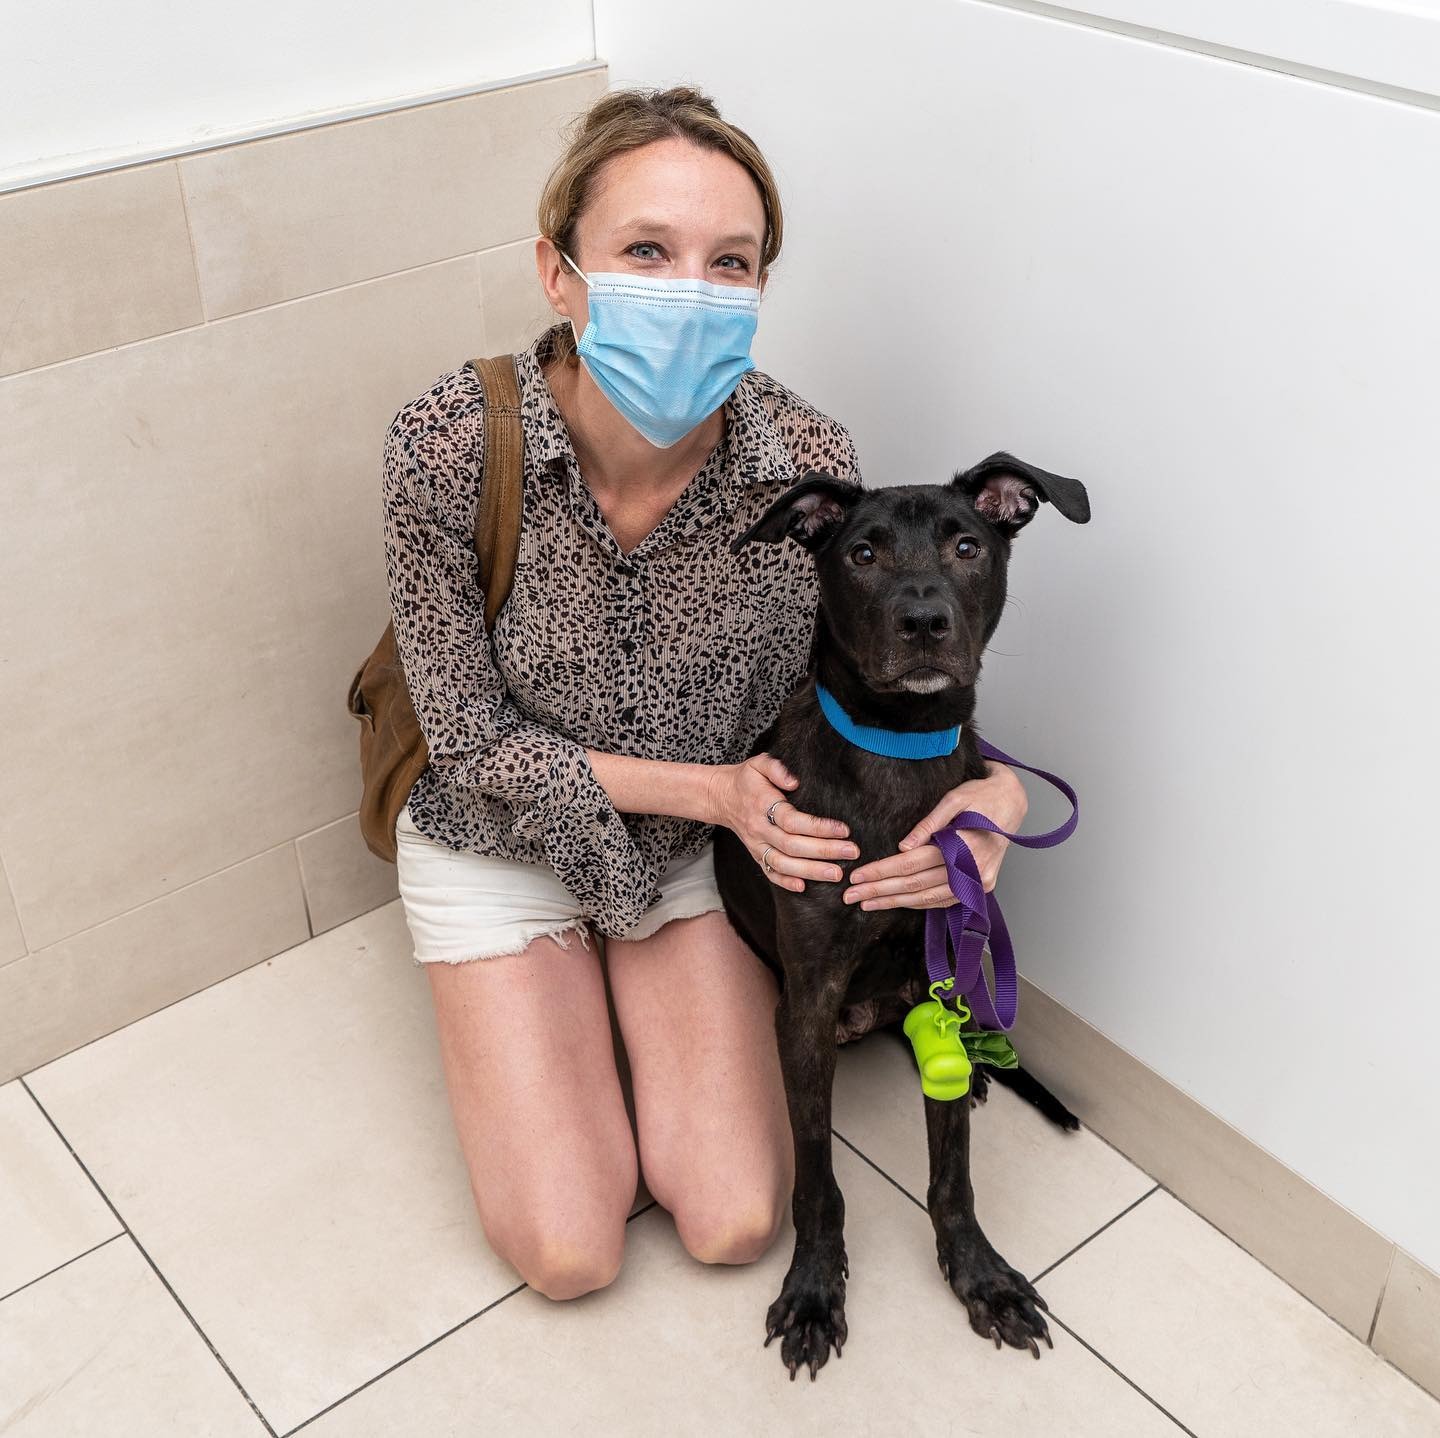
(497, 517)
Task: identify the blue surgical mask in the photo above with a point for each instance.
(666, 353)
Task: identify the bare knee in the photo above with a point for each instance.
(729, 1229)
(563, 1260)
(565, 1237)
(561, 1268)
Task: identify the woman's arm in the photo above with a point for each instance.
(657, 786)
(735, 796)
(916, 877)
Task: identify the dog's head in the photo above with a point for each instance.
(912, 577)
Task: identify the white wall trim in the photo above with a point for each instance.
(1388, 50)
(99, 162)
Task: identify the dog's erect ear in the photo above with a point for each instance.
(1007, 491)
(809, 512)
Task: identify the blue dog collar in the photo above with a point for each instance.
(893, 743)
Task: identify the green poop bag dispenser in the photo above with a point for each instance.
(934, 1034)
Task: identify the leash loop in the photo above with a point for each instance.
(975, 918)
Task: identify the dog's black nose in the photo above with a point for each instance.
(923, 621)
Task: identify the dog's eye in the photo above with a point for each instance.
(862, 554)
(966, 549)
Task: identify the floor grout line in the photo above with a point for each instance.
(269, 1429)
(128, 1233)
(401, 1362)
(865, 1158)
(1100, 1357)
(40, 1278)
(1275, 1273)
(154, 1267)
(1367, 1342)
(1127, 1209)
(1094, 1352)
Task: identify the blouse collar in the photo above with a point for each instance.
(752, 451)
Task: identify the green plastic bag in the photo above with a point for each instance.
(989, 1047)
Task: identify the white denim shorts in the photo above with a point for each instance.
(461, 906)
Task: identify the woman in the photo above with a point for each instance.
(630, 671)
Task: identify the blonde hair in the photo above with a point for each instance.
(625, 120)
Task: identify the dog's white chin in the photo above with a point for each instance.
(925, 681)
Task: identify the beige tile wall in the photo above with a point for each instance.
(198, 361)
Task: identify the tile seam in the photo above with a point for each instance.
(1095, 1353)
(440, 1338)
(1380, 1298)
(211, 323)
(154, 1267)
(1109, 1223)
(50, 1272)
(1123, 1376)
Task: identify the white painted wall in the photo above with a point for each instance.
(98, 85)
(1386, 45)
(1212, 292)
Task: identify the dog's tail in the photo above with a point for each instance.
(1025, 1085)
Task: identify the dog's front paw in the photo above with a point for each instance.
(809, 1316)
(1001, 1303)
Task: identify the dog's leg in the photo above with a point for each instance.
(1000, 1302)
(809, 1314)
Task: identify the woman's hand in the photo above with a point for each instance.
(799, 843)
(916, 877)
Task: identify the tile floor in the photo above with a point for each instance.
(246, 1214)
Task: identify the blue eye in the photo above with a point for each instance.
(740, 261)
(644, 245)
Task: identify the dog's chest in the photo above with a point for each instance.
(882, 949)
(879, 799)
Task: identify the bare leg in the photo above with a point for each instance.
(530, 1068)
(696, 1009)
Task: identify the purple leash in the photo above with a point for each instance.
(975, 917)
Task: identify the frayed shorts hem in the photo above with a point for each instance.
(558, 932)
(461, 906)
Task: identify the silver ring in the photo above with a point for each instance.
(765, 859)
(770, 813)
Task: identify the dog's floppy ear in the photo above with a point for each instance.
(1007, 491)
(809, 512)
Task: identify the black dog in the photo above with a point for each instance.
(912, 582)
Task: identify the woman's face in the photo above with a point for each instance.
(670, 209)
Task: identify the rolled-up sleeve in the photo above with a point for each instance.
(477, 737)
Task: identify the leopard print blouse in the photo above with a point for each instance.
(678, 650)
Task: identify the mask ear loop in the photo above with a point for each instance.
(586, 278)
(576, 268)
